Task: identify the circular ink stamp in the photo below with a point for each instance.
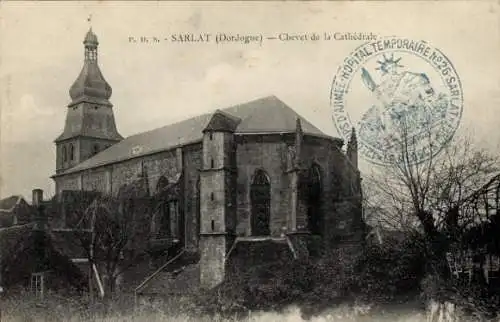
(403, 97)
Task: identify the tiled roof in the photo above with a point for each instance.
(264, 115)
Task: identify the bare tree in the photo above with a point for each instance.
(113, 233)
(430, 180)
(120, 234)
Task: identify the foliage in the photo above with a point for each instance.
(391, 270)
(21, 258)
(56, 308)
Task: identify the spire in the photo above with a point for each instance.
(90, 86)
(90, 42)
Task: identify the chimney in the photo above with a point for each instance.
(37, 197)
(40, 219)
(178, 155)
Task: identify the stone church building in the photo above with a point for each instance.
(252, 172)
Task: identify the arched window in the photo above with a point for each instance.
(168, 210)
(164, 228)
(64, 154)
(71, 152)
(260, 195)
(314, 192)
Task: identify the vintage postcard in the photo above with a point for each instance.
(248, 161)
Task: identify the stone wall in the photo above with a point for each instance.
(213, 200)
(69, 182)
(109, 179)
(212, 261)
(270, 156)
(269, 153)
(192, 165)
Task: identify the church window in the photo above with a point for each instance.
(213, 225)
(169, 214)
(71, 152)
(314, 192)
(260, 195)
(95, 149)
(64, 154)
(212, 163)
(164, 230)
(164, 208)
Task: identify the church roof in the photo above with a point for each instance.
(90, 85)
(266, 115)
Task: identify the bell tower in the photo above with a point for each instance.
(90, 123)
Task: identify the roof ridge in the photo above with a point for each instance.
(264, 115)
(212, 112)
(171, 124)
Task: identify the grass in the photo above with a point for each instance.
(24, 308)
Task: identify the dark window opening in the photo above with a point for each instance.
(210, 136)
(164, 220)
(314, 191)
(64, 154)
(169, 212)
(212, 163)
(95, 149)
(260, 195)
(71, 152)
(212, 196)
(213, 225)
(169, 220)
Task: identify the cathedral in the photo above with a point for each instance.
(242, 174)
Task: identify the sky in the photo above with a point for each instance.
(155, 84)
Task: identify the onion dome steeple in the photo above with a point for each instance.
(90, 86)
(90, 125)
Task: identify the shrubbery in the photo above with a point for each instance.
(312, 284)
(391, 270)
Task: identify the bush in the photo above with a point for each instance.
(312, 284)
(391, 270)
